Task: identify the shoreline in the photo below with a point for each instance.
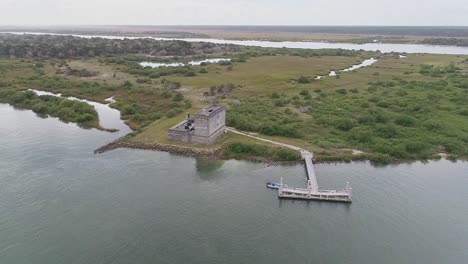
(217, 154)
(187, 151)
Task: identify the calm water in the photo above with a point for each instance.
(59, 203)
(383, 47)
(178, 64)
(365, 63)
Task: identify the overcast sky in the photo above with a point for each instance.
(234, 12)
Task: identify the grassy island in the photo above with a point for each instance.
(46, 105)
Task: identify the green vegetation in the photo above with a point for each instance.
(238, 150)
(463, 42)
(400, 119)
(395, 109)
(154, 73)
(65, 109)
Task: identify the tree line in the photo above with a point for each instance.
(64, 47)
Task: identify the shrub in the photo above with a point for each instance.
(178, 97)
(250, 149)
(433, 124)
(304, 92)
(279, 130)
(286, 154)
(275, 95)
(240, 150)
(154, 75)
(341, 91)
(173, 112)
(343, 124)
(371, 89)
(415, 146)
(383, 104)
(386, 131)
(40, 108)
(85, 118)
(380, 117)
(366, 119)
(166, 94)
(127, 84)
(174, 105)
(406, 120)
(190, 73)
(361, 135)
(280, 102)
(128, 110)
(143, 80)
(303, 79)
(401, 93)
(380, 158)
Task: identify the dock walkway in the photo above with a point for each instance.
(307, 156)
(313, 192)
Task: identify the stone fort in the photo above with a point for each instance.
(206, 126)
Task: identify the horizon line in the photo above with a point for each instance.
(216, 25)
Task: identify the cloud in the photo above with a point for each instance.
(234, 12)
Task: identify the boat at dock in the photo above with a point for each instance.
(276, 185)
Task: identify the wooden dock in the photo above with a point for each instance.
(312, 192)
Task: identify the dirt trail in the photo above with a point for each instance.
(233, 130)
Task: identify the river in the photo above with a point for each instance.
(60, 203)
(383, 47)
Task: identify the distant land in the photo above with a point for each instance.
(434, 35)
(435, 31)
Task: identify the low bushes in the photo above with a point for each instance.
(238, 150)
(406, 120)
(258, 115)
(344, 124)
(279, 130)
(416, 146)
(303, 79)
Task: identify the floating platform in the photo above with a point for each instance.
(325, 195)
(312, 191)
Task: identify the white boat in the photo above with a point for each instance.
(276, 185)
